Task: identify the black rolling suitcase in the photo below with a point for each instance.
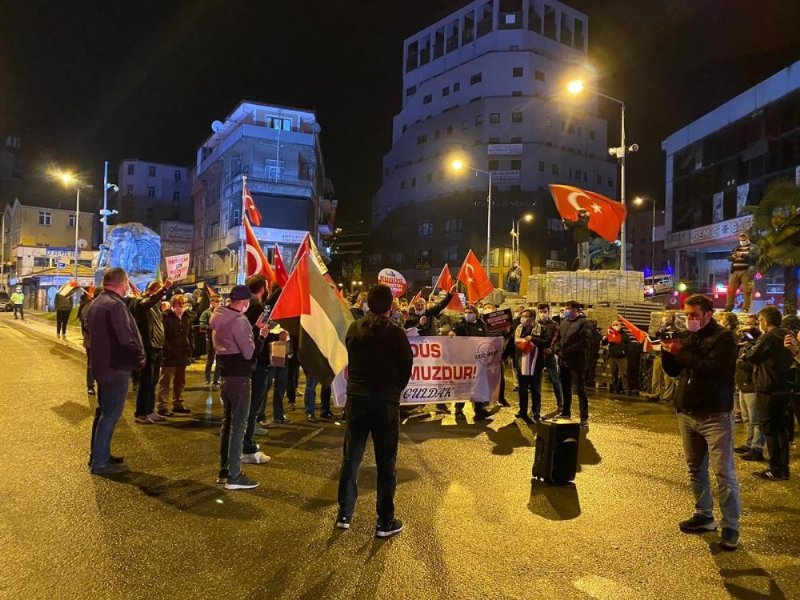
(556, 457)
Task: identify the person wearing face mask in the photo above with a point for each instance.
(360, 306)
(117, 350)
(662, 386)
(472, 325)
(177, 356)
(574, 338)
(530, 345)
(772, 379)
(704, 361)
(742, 258)
(617, 341)
(550, 332)
(423, 318)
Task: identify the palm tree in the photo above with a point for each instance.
(604, 255)
(776, 233)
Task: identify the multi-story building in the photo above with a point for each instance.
(278, 149)
(486, 84)
(722, 162)
(645, 234)
(39, 242)
(152, 192)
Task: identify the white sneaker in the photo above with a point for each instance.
(258, 430)
(156, 418)
(259, 458)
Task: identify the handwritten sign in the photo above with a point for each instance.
(177, 266)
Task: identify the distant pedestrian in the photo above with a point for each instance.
(743, 258)
(704, 360)
(116, 351)
(235, 346)
(177, 356)
(514, 278)
(18, 301)
(63, 311)
(380, 361)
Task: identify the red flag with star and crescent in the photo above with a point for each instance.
(280, 268)
(445, 282)
(472, 275)
(257, 262)
(605, 215)
(250, 206)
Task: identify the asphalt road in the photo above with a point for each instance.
(476, 526)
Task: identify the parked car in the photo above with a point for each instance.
(5, 302)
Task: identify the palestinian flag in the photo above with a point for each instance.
(317, 320)
(68, 288)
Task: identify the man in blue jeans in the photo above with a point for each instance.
(704, 360)
(117, 350)
(379, 367)
(309, 398)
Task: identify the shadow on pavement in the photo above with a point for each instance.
(508, 437)
(741, 575)
(189, 496)
(73, 412)
(554, 502)
(587, 453)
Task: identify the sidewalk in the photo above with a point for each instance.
(36, 322)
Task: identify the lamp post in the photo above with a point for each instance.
(105, 213)
(515, 234)
(458, 165)
(639, 201)
(576, 87)
(69, 180)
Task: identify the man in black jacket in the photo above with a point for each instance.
(704, 360)
(116, 351)
(472, 325)
(379, 368)
(424, 319)
(575, 336)
(772, 379)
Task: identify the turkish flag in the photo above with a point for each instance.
(639, 335)
(472, 275)
(445, 282)
(605, 215)
(281, 274)
(257, 262)
(250, 206)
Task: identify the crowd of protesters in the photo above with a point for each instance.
(714, 370)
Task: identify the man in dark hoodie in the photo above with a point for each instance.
(575, 336)
(235, 346)
(704, 360)
(773, 384)
(380, 361)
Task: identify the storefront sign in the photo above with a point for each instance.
(717, 231)
(555, 264)
(281, 236)
(511, 176)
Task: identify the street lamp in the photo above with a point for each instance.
(639, 201)
(69, 180)
(576, 87)
(528, 217)
(105, 213)
(457, 165)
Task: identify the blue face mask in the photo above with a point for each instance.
(568, 314)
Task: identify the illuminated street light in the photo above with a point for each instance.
(68, 180)
(527, 217)
(575, 87)
(457, 165)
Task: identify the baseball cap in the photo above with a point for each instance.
(241, 292)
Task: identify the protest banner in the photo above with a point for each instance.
(498, 320)
(177, 266)
(395, 280)
(446, 369)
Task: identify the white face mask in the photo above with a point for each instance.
(419, 311)
(470, 317)
(693, 325)
(365, 307)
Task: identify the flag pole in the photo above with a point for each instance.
(241, 272)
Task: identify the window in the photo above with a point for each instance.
(516, 140)
(477, 78)
(151, 171)
(451, 254)
(516, 93)
(516, 164)
(478, 119)
(449, 130)
(494, 140)
(517, 72)
(453, 225)
(610, 182)
(425, 229)
(437, 134)
(465, 124)
(421, 139)
(539, 75)
(176, 196)
(591, 134)
(278, 123)
(516, 117)
(403, 184)
(177, 175)
(410, 91)
(41, 261)
(548, 122)
(374, 259)
(423, 257)
(151, 191)
(494, 165)
(494, 117)
(571, 129)
(413, 182)
(429, 177)
(71, 221)
(131, 169)
(555, 169)
(456, 86)
(541, 166)
(396, 258)
(446, 91)
(554, 225)
(427, 99)
(599, 180)
(129, 190)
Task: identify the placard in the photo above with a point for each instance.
(177, 267)
(498, 320)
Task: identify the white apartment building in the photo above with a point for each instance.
(153, 192)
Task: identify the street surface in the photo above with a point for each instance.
(475, 525)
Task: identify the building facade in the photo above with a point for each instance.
(152, 192)
(278, 149)
(485, 84)
(722, 162)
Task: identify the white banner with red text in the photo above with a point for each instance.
(446, 369)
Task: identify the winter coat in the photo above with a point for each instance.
(705, 368)
(742, 257)
(147, 313)
(617, 344)
(63, 302)
(529, 355)
(117, 348)
(575, 338)
(431, 313)
(475, 329)
(772, 361)
(177, 339)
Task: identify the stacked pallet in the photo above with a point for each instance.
(587, 287)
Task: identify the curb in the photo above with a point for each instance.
(67, 343)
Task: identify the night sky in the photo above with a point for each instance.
(86, 81)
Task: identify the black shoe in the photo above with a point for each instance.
(116, 460)
(537, 418)
(524, 417)
(729, 539)
(165, 413)
(481, 414)
(280, 421)
(327, 415)
(769, 475)
(343, 522)
(741, 449)
(754, 455)
(698, 524)
(179, 410)
(563, 416)
(91, 392)
(459, 413)
(311, 419)
(109, 469)
(503, 402)
(242, 482)
(388, 529)
(292, 405)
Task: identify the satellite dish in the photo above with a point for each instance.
(216, 126)
(315, 127)
(82, 243)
